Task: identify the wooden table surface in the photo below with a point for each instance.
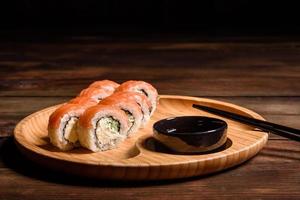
(262, 75)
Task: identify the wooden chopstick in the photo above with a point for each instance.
(277, 129)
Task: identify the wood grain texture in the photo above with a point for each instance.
(134, 159)
(259, 73)
(36, 69)
(272, 174)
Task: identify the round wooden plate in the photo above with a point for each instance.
(141, 157)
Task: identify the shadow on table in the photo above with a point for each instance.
(14, 160)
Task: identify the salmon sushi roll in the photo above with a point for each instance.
(142, 87)
(102, 127)
(129, 107)
(62, 126)
(106, 85)
(95, 93)
(81, 100)
(140, 99)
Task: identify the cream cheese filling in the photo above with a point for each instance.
(69, 131)
(107, 129)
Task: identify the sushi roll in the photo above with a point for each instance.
(95, 93)
(107, 85)
(102, 127)
(62, 129)
(81, 100)
(142, 87)
(102, 115)
(129, 107)
(140, 99)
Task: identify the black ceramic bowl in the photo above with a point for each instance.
(190, 134)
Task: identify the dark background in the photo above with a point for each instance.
(207, 17)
